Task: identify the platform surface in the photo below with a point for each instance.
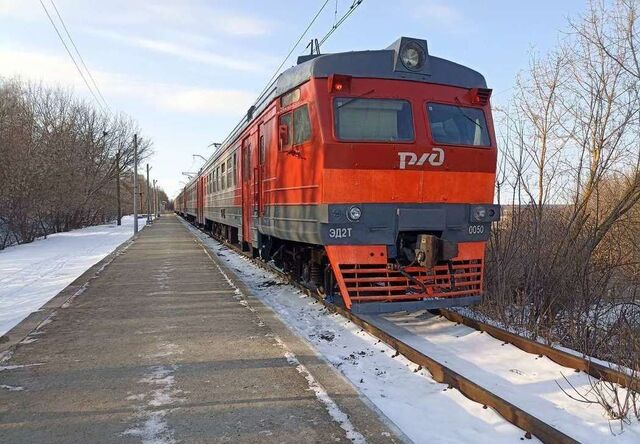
(159, 347)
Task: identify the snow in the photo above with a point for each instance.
(423, 409)
(160, 397)
(531, 382)
(31, 274)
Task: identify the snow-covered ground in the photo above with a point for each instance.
(423, 409)
(31, 274)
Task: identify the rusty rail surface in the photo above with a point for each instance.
(440, 372)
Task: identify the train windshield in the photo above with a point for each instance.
(380, 120)
(457, 125)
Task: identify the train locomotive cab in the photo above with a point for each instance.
(367, 175)
(408, 181)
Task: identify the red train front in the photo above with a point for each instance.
(367, 174)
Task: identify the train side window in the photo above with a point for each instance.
(290, 97)
(229, 173)
(284, 131)
(235, 168)
(218, 179)
(301, 125)
(223, 176)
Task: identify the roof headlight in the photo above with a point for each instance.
(354, 213)
(479, 213)
(412, 56)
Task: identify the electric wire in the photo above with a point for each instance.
(293, 48)
(71, 56)
(93, 81)
(352, 8)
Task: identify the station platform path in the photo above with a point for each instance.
(159, 346)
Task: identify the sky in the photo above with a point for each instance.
(187, 70)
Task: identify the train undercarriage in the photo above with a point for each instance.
(423, 275)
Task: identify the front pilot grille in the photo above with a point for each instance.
(366, 283)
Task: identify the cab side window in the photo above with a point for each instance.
(284, 131)
(294, 127)
(301, 125)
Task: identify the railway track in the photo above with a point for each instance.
(442, 373)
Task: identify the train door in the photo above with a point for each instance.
(247, 194)
(260, 171)
(200, 200)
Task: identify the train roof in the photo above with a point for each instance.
(381, 64)
(384, 64)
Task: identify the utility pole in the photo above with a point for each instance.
(118, 186)
(148, 198)
(155, 198)
(135, 183)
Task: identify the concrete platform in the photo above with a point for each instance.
(159, 347)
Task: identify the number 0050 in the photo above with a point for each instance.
(476, 229)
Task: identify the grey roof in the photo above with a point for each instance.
(382, 64)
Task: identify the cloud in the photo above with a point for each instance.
(185, 52)
(58, 71)
(20, 9)
(243, 26)
(211, 17)
(39, 67)
(213, 101)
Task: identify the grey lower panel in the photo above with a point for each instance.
(379, 224)
(427, 304)
(299, 223)
(225, 215)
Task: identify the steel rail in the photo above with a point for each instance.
(560, 357)
(439, 372)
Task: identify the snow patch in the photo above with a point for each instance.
(161, 397)
(31, 274)
(332, 408)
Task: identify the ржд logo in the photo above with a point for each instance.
(434, 158)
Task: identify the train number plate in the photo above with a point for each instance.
(476, 229)
(339, 233)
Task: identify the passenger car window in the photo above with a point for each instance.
(229, 173)
(381, 120)
(458, 125)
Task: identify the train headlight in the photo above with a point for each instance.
(412, 56)
(354, 213)
(479, 213)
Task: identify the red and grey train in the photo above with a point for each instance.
(368, 175)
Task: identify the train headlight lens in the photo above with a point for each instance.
(412, 56)
(479, 213)
(354, 213)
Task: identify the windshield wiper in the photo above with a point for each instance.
(467, 117)
(346, 102)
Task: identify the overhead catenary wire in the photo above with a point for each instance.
(73, 43)
(293, 48)
(66, 47)
(337, 24)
